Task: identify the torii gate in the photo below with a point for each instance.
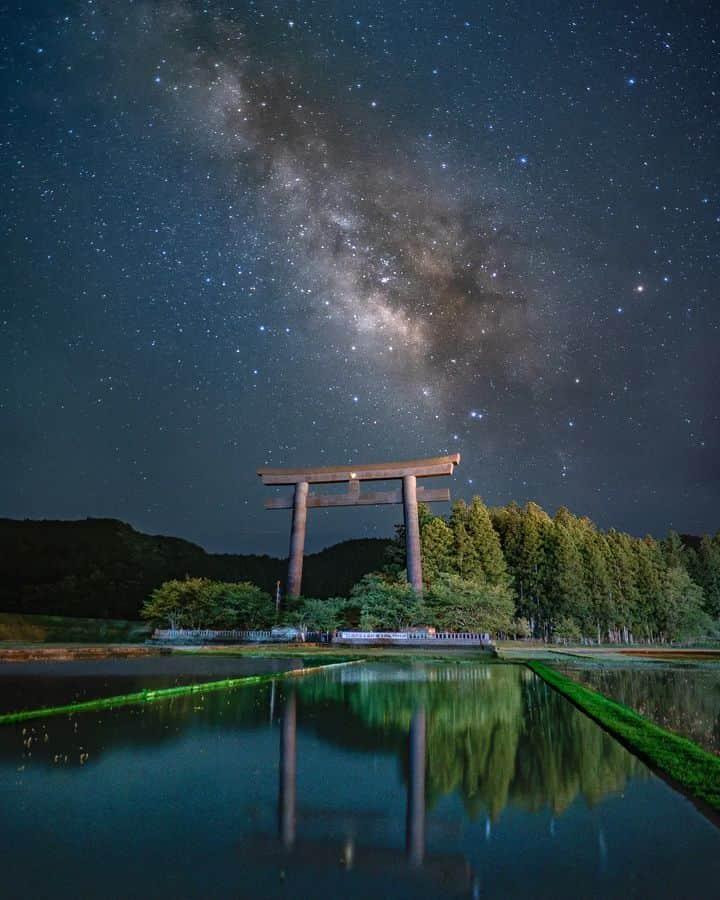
(409, 495)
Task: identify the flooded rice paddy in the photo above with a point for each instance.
(373, 779)
(33, 685)
(684, 699)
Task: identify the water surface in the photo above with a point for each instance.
(385, 780)
(32, 685)
(685, 699)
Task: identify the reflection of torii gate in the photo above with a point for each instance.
(415, 821)
(410, 495)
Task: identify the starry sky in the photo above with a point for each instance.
(297, 233)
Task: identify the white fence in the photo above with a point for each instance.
(284, 635)
(210, 635)
(436, 638)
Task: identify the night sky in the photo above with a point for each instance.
(302, 233)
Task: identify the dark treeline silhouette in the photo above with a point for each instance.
(105, 568)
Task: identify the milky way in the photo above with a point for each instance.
(296, 234)
(409, 271)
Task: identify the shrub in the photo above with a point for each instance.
(463, 604)
(201, 603)
(386, 604)
(319, 615)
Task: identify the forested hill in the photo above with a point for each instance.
(105, 568)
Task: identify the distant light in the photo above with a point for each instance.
(631, 81)
(523, 160)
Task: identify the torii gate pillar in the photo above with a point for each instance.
(412, 532)
(297, 539)
(410, 495)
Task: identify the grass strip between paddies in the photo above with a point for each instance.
(151, 696)
(686, 763)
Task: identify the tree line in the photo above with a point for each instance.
(509, 570)
(570, 580)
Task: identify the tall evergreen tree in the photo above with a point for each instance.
(650, 569)
(564, 567)
(467, 558)
(593, 552)
(674, 550)
(709, 572)
(437, 549)
(486, 543)
(507, 522)
(532, 565)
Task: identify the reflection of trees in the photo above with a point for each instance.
(497, 735)
(564, 754)
(685, 700)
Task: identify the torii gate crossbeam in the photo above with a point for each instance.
(409, 495)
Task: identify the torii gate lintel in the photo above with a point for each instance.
(409, 495)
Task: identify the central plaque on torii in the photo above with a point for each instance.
(409, 495)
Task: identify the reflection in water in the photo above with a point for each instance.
(416, 789)
(35, 685)
(288, 768)
(495, 734)
(425, 780)
(287, 775)
(685, 699)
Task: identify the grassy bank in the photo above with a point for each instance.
(151, 696)
(20, 628)
(683, 761)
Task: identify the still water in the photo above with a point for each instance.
(685, 699)
(370, 780)
(34, 685)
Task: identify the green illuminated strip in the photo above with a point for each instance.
(687, 764)
(150, 696)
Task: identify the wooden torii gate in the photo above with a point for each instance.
(409, 495)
